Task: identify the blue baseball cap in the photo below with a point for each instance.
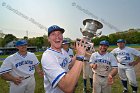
(55, 28)
(104, 42)
(120, 41)
(21, 42)
(65, 42)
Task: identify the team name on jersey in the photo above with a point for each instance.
(23, 63)
(122, 53)
(64, 63)
(102, 61)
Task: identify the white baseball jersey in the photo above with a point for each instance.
(125, 55)
(55, 66)
(70, 52)
(18, 65)
(104, 63)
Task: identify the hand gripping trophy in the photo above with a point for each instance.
(89, 31)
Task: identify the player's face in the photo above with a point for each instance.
(103, 48)
(56, 38)
(65, 46)
(22, 48)
(121, 45)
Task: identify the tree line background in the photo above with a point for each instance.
(132, 36)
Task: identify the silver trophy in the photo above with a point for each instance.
(90, 30)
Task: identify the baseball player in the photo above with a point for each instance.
(104, 66)
(55, 61)
(87, 70)
(66, 46)
(19, 69)
(125, 56)
(87, 73)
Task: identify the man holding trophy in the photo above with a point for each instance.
(99, 81)
(55, 61)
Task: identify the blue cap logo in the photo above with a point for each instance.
(65, 42)
(104, 42)
(55, 28)
(120, 41)
(21, 42)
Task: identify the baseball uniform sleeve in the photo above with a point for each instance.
(52, 69)
(135, 52)
(36, 62)
(113, 52)
(113, 61)
(6, 66)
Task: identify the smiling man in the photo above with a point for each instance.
(126, 62)
(55, 61)
(104, 66)
(19, 69)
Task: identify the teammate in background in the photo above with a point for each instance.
(87, 73)
(55, 61)
(19, 69)
(104, 66)
(87, 70)
(125, 56)
(66, 47)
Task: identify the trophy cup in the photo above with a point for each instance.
(89, 31)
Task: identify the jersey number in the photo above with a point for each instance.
(31, 68)
(107, 68)
(127, 58)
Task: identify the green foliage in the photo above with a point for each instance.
(45, 40)
(1, 40)
(131, 36)
(98, 39)
(38, 41)
(8, 38)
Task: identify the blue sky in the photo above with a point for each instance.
(34, 16)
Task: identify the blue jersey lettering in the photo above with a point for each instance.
(23, 63)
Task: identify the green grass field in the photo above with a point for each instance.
(116, 88)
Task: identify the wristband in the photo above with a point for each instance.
(80, 58)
